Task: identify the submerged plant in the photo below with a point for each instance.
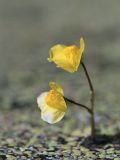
(53, 103)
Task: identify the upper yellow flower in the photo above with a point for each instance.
(52, 104)
(67, 57)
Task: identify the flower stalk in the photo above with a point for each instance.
(92, 100)
(79, 104)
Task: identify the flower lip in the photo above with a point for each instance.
(55, 100)
(57, 87)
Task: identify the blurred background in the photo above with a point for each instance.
(27, 31)
(29, 28)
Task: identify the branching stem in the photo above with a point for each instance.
(78, 104)
(92, 101)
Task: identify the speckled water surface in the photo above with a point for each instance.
(27, 30)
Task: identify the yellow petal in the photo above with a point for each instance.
(55, 113)
(78, 57)
(56, 87)
(55, 52)
(55, 100)
(52, 115)
(82, 45)
(67, 57)
(70, 63)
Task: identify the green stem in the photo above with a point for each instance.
(92, 101)
(78, 104)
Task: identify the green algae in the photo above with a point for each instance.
(29, 138)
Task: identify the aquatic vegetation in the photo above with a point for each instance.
(53, 103)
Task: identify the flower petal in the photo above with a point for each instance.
(41, 101)
(82, 45)
(67, 57)
(52, 104)
(52, 115)
(55, 52)
(55, 100)
(72, 55)
(56, 87)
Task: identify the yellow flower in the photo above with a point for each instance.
(52, 104)
(67, 57)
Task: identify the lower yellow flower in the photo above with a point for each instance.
(52, 104)
(67, 57)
